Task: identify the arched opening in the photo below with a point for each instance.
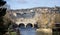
(14, 25)
(35, 25)
(21, 25)
(29, 25)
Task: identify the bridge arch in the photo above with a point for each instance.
(35, 25)
(14, 25)
(29, 25)
(21, 25)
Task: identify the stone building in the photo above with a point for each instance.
(45, 18)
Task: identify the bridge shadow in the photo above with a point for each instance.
(29, 25)
(21, 25)
(35, 25)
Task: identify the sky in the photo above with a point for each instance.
(23, 4)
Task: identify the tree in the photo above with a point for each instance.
(2, 13)
(2, 2)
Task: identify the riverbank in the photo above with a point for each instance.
(42, 31)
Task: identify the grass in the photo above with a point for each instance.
(13, 33)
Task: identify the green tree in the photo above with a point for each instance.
(2, 13)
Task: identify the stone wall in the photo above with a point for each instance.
(46, 17)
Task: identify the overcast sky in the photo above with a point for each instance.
(20, 4)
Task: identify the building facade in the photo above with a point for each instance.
(44, 17)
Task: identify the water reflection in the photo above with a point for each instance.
(27, 31)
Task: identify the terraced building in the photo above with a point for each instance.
(41, 17)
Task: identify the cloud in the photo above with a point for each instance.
(55, 2)
(26, 1)
(20, 1)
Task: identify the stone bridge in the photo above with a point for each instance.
(27, 23)
(35, 17)
(24, 19)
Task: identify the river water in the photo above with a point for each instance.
(27, 31)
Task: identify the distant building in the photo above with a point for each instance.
(44, 17)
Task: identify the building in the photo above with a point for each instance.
(42, 17)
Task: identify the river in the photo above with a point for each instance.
(27, 31)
